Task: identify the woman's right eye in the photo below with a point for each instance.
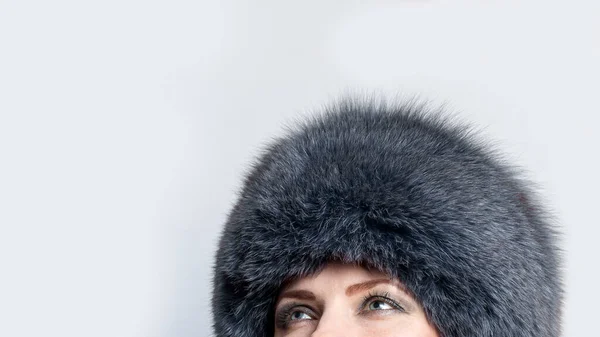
(292, 314)
(299, 315)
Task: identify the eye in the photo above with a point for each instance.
(299, 315)
(378, 304)
(293, 313)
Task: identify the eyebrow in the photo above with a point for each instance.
(351, 290)
(299, 294)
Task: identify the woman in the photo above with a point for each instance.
(370, 220)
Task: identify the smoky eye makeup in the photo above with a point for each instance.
(379, 297)
(396, 300)
(371, 301)
(300, 311)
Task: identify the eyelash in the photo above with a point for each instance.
(385, 297)
(282, 317)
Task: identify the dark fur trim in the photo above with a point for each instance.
(408, 193)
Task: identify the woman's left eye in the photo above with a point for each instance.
(380, 305)
(379, 302)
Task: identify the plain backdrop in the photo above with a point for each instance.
(125, 128)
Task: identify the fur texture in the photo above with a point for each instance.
(401, 190)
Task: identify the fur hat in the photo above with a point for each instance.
(402, 190)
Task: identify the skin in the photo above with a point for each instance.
(332, 304)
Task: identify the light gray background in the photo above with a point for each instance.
(125, 127)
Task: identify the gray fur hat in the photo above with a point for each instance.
(403, 190)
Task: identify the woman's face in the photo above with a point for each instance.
(349, 301)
